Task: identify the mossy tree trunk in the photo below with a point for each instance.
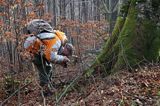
(135, 38)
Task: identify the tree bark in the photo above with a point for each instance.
(135, 38)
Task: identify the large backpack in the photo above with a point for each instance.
(37, 26)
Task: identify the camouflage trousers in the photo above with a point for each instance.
(45, 69)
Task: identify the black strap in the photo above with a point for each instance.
(59, 50)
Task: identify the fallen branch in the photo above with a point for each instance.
(67, 88)
(15, 92)
(72, 83)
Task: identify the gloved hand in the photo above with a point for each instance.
(66, 59)
(64, 63)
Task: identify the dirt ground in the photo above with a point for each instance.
(138, 88)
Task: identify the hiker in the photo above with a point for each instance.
(47, 46)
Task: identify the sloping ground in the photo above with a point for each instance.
(139, 88)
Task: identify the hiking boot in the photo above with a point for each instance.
(47, 91)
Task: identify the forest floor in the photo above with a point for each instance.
(138, 88)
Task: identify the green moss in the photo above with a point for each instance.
(112, 55)
(154, 50)
(117, 29)
(140, 1)
(126, 56)
(133, 40)
(137, 41)
(107, 49)
(107, 52)
(10, 84)
(124, 9)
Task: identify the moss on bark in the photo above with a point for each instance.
(135, 39)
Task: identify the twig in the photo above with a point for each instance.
(66, 89)
(19, 101)
(14, 93)
(42, 94)
(125, 58)
(44, 100)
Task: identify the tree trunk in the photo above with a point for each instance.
(135, 38)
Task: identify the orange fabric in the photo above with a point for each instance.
(61, 36)
(48, 44)
(34, 48)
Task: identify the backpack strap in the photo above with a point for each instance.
(61, 36)
(46, 36)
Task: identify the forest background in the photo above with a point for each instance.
(87, 24)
